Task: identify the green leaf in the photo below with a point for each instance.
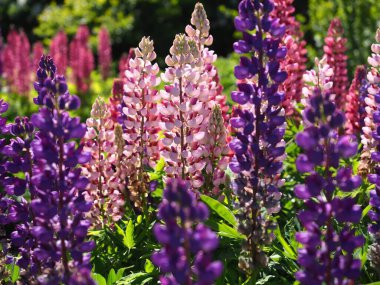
(288, 249)
(160, 165)
(99, 279)
(366, 210)
(15, 273)
(120, 274)
(128, 239)
(375, 283)
(224, 230)
(219, 209)
(149, 267)
(111, 277)
(131, 277)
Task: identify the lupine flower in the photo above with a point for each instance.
(59, 204)
(38, 51)
(17, 211)
(295, 61)
(352, 110)
(106, 188)
(327, 255)
(16, 60)
(188, 100)
(59, 51)
(373, 77)
(1, 56)
(259, 124)
(104, 52)
(217, 150)
(141, 118)
(335, 49)
(124, 62)
(186, 256)
(81, 59)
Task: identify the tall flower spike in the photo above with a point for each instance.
(106, 190)
(182, 113)
(186, 256)
(16, 58)
(295, 61)
(353, 103)
(124, 62)
(141, 119)
(327, 255)
(81, 59)
(373, 77)
(217, 150)
(38, 51)
(104, 52)
(259, 124)
(59, 51)
(59, 204)
(335, 49)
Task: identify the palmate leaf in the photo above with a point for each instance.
(99, 279)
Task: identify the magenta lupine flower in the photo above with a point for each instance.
(16, 60)
(104, 52)
(38, 51)
(327, 255)
(335, 52)
(81, 59)
(295, 61)
(104, 170)
(259, 124)
(141, 118)
(124, 62)
(352, 110)
(373, 77)
(187, 244)
(59, 50)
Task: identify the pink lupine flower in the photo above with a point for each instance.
(217, 155)
(141, 119)
(182, 113)
(366, 164)
(16, 59)
(81, 59)
(38, 51)
(105, 170)
(335, 48)
(104, 52)
(188, 100)
(352, 102)
(59, 51)
(124, 62)
(295, 61)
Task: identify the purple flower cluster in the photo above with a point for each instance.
(41, 162)
(259, 125)
(327, 255)
(184, 238)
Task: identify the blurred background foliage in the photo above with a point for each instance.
(129, 20)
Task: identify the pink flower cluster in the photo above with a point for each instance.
(104, 52)
(81, 59)
(141, 119)
(353, 103)
(335, 48)
(106, 169)
(38, 51)
(124, 61)
(295, 61)
(59, 51)
(369, 143)
(17, 63)
(187, 102)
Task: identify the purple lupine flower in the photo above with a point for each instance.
(59, 206)
(373, 90)
(259, 124)
(184, 236)
(327, 255)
